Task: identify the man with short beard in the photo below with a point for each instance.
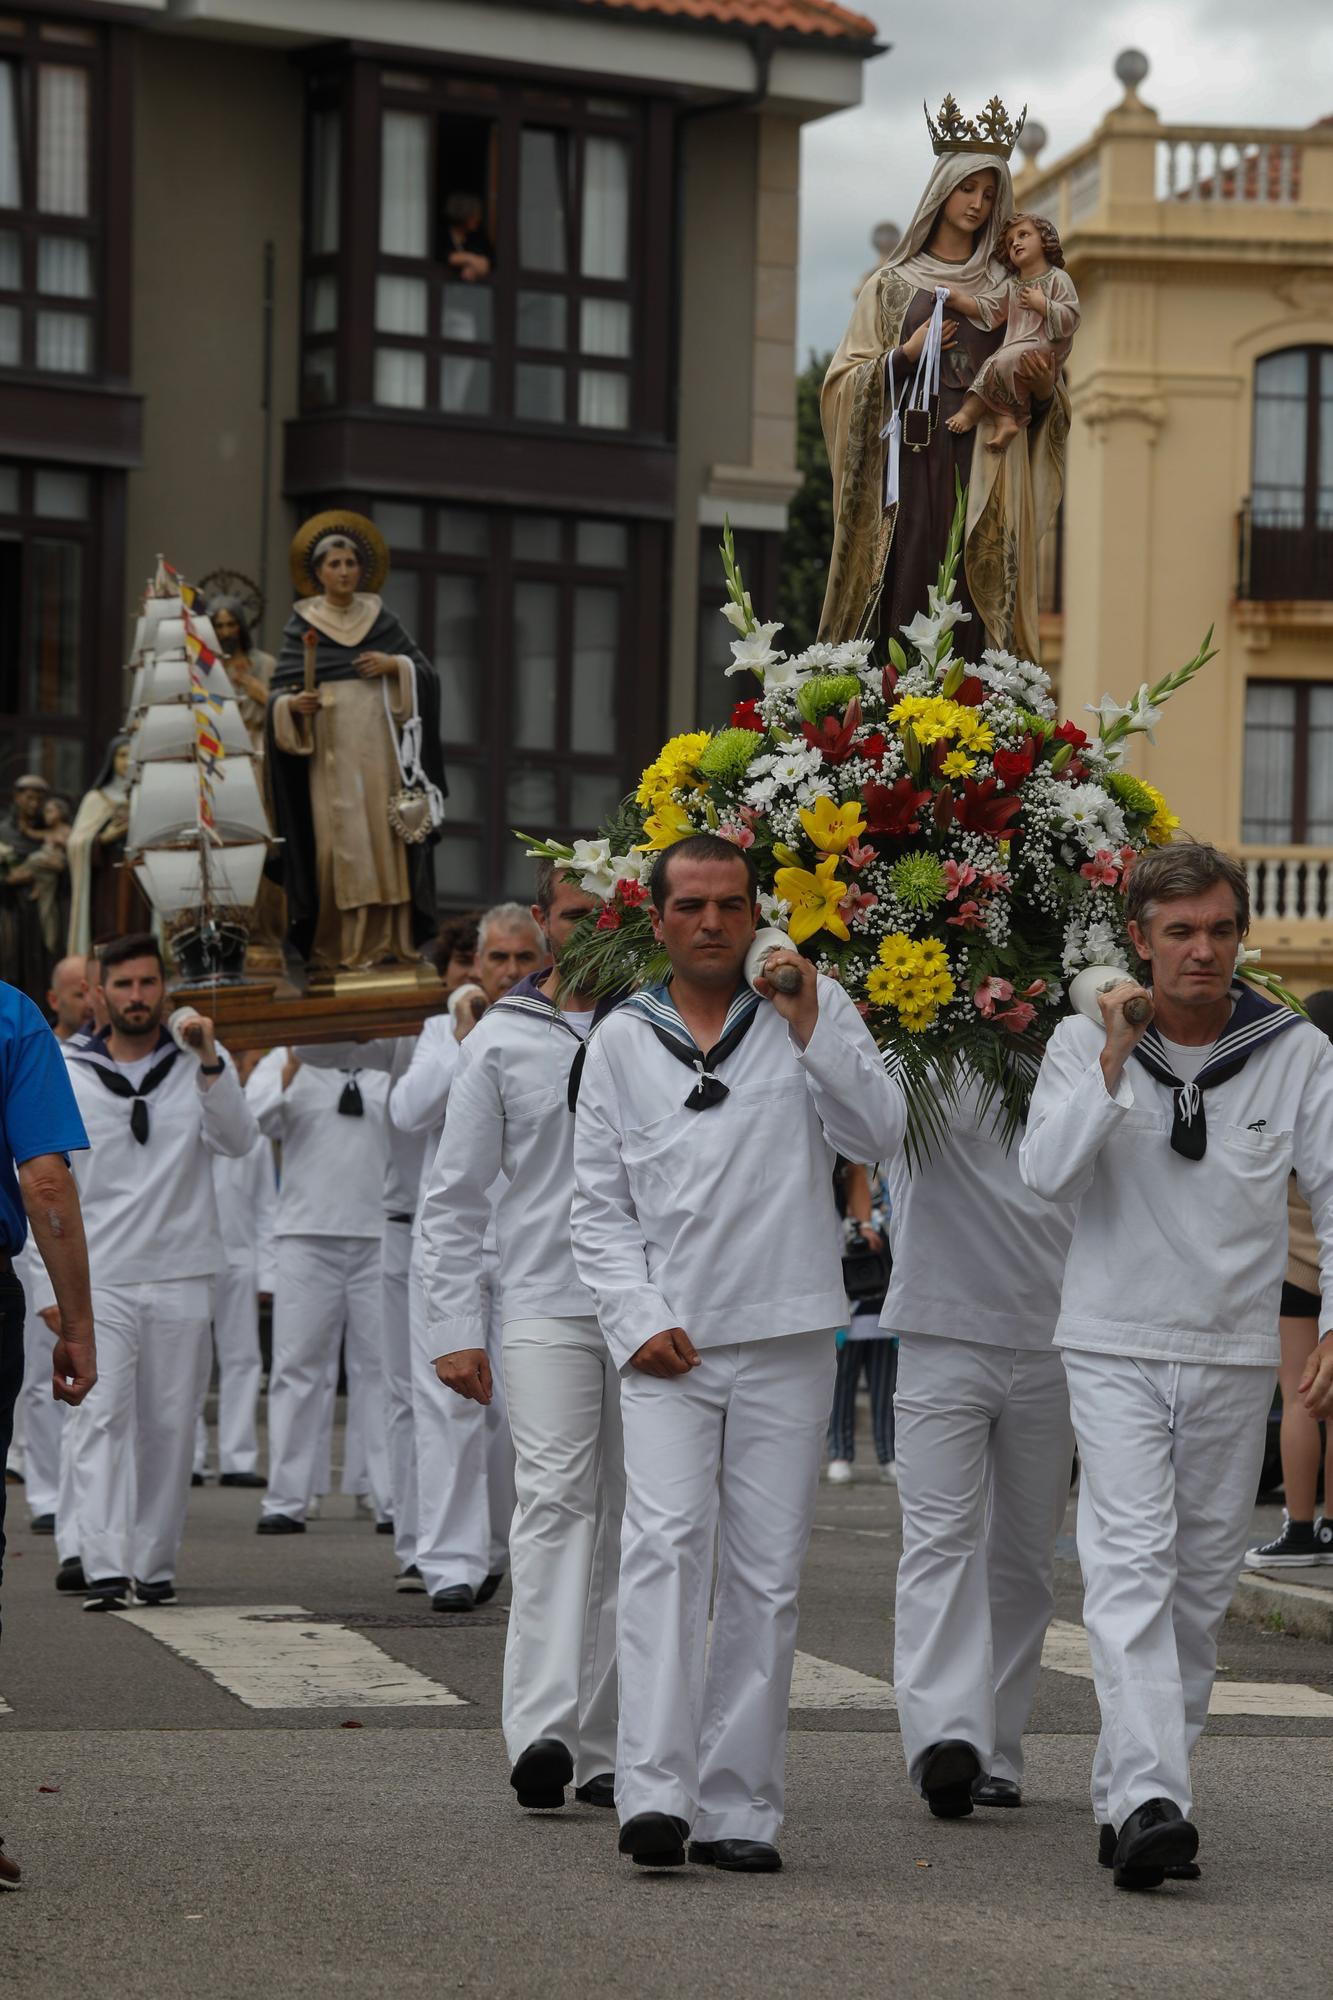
(155, 1116)
(511, 1128)
(709, 1121)
(465, 1458)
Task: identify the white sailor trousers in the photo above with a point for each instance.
(465, 1464)
(326, 1287)
(133, 1445)
(240, 1364)
(1170, 1456)
(984, 1449)
(396, 1350)
(564, 1547)
(40, 1416)
(732, 1449)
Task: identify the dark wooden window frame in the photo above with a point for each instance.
(27, 51)
(1290, 560)
(1300, 763)
(361, 90)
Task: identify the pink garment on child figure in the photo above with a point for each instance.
(996, 382)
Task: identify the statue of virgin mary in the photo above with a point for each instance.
(885, 556)
(342, 738)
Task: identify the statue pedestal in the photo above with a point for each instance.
(335, 1007)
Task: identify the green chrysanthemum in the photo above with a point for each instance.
(724, 761)
(822, 693)
(1131, 793)
(918, 880)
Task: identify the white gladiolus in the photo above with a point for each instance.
(734, 615)
(592, 858)
(754, 652)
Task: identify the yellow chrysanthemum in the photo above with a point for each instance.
(958, 764)
(897, 951)
(674, 768)
(880, 986)
(973, 733)
(935, 720)
(832, 828)
(913, 978)
(1163, 823)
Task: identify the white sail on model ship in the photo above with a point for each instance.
(198, 834)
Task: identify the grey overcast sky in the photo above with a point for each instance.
(1223, 62)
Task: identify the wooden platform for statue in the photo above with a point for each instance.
(347, 1007)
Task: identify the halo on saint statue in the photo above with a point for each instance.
(235, 583)
(364, 536)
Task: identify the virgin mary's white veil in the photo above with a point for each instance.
(910, 256)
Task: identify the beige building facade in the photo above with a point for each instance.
(1200, 481)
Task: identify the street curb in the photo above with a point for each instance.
(1298, 1608)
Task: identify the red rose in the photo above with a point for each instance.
(970, 692)
(1013, 766)
(872, 747)
(1069, 732)
(745, 715)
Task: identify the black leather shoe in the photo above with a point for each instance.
(255, 1479)
(279, 1524)
(1155, 1837)
(743, 1857)
(599, 1791)
(996, 1792)
(196, 1479)
(947, 1776)
(154, 1593)
(459, 1597)
(541, 1773)
(1184, 1871)
(42, 1524)
(654, 1840)
(384, 1527)
(488, 1586)
(107, 1593)
(409, 1579)
(70, 1575)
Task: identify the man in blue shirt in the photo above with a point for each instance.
(39, 1127)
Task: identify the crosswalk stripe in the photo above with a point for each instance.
(1066, 1652)
(289, 1665)
(817, 1683)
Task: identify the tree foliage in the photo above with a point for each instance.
(809, 538)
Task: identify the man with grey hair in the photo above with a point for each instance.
(1173, 1130)
(465, 1460)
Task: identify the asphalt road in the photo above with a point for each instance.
(178, 1840)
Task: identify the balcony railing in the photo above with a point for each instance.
(1290, 885)
(1282, 558)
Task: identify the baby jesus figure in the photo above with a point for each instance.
(1041, 307)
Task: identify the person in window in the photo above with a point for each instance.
(468, 250)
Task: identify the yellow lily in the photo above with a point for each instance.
(665, 827)
(832, 828)
(814, 899)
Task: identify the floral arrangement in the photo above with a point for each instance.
(926, 831)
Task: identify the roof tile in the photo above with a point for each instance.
(802, 17)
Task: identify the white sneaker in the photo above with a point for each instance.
(839, 1472)
(889, 1473)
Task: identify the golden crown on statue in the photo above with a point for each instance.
(991, 132)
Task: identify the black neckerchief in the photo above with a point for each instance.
(526, 997)
(1252, 1022)
(660, 1012)
(97, 1057)
(349, 1103)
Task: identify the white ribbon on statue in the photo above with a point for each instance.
(407, 750)
(925, 386)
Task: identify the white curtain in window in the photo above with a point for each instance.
(11, 337)
(542, 173)
(11, 264)
(603, 400)
(62, 140)
(592, 722)
(1270, 743)
(400, 304)
(604, 327)
(11, 191)
(404, 183)
(325, 156)
(64, 267)
(400, 378)
(606, 209)
(64, 343)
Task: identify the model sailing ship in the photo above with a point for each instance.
(199, 832)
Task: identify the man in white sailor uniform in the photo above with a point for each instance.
(709, 1120)
(331, 1126)
(510, 1125)
(465, 1456)
(984, 1449)
(156, 1114)
(247, 1196)
(1175, 1142)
